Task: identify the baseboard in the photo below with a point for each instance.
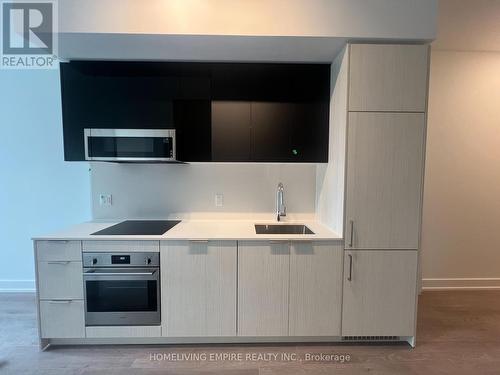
(427, 284)
(461, 283)
(17, 286)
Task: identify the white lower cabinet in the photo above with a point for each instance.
(379, 296)
(315, 288)
(198, 284)
(289, 288)
(62, 319)
(263, 286)
(250, 289)
(60, 289)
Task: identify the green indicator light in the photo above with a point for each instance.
(295, 152)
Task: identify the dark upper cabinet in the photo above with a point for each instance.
(193, 130)
(272, 125)
(309, 132)
(270, 112)
(270, 82)
(132, 95)
(231, 131)
(227, 112)
(269, 131)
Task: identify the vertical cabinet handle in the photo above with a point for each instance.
(349, 278)
(351, 222)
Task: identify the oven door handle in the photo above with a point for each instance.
(108, 275)
(87, 273)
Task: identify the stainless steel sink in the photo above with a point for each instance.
(282, 229)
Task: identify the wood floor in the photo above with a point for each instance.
(458, 333)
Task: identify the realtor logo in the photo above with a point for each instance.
(28, 34)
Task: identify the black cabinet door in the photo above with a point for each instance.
(193, 130)
(290, 132)
(231, 131)
(309, 133)
(289, 110)
(272, 125)
(269, 131)
(270, 82)
(128, 102)
(97, 96)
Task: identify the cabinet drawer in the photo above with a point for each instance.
(60, 280)
(62, 319)
(58, 251)
(123, 331)
(117, 246)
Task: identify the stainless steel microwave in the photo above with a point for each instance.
(130, 145)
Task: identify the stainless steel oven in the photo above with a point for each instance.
(130, 145)
(122, 289)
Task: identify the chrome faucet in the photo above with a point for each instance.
(280, 202)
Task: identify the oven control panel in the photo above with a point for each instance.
(121, 259)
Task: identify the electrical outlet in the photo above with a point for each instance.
(105, 200)
(219, 200)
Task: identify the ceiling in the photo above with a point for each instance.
(468, 25)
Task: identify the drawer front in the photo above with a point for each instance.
(62, 319)
(60, 280)
(118, 246)
(117, 331)
(59, 251)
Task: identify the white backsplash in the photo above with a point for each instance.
(189, 190)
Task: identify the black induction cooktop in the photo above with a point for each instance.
(138, 228)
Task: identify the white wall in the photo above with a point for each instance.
(39, 192)
(461, 214)
(156, 191)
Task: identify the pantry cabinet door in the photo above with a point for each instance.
(379, 293)
(385, 159)
(388, 77)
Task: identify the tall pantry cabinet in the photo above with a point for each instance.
(386, 127)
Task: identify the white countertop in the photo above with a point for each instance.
(198, 230)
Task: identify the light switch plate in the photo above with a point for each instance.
(105, 200)
(219, 200)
